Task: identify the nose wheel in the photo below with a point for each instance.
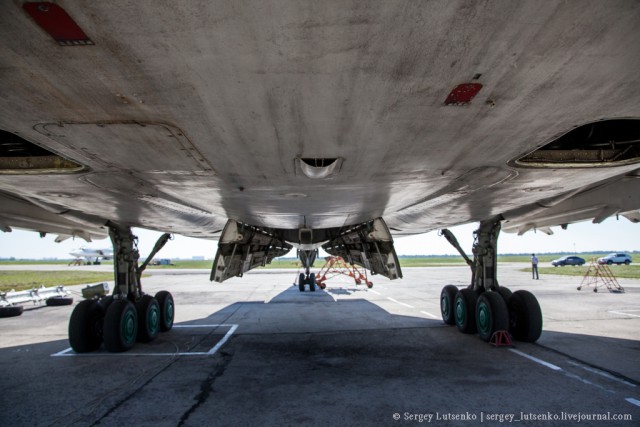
(307, 279)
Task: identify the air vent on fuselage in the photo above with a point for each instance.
(19, 156)
(604, 143)
(318, 168)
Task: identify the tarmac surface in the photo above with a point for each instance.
(256, 351)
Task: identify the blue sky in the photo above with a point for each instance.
(611, 235)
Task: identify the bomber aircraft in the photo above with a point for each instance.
(93, 255)
(268, 125)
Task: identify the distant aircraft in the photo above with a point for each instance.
(93, 256)
(308, 124)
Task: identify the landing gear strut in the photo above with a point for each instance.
(484, 307)
(307, 257)
(129, 315)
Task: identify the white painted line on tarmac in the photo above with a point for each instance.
(232, 328)
(429, 314)
(633, 401)
(401, 303)
(621, 313)
(535, 359)
(223, 340)
(602, 373)
(377, 293)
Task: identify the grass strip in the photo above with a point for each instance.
(24, 280)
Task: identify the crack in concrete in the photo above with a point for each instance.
(206, 386)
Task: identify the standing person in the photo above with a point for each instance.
(534, 267)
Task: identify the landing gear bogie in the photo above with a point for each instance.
(518, 312)
(128, 315)
(484, 306)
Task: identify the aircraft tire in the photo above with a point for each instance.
(491, 315)
(58, 301)
(148, 311)
(525, 316)
(106, 302)
(120, 326)
(505, 293)
(85, 326)
(301, 281)
(167, 310)
(447, 304)
(312, 282)
(11, 311)
(465, 310)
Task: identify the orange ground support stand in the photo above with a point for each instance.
(600, 275)
(336, 266)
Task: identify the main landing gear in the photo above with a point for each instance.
(484, 307)
(129, 315)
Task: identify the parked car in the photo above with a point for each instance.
(567, 260)
(615, 259)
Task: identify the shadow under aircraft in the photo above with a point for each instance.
(303, 359)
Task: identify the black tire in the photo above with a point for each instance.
(58, 301)
(312, 282)
(505, 293)
(167, 310)
(106, 302)
(301, 281)
(447, 304)
(85, 326)
(11, 311)
(627, 262)
(491, 315)
(609, 262)
(148, 311)
(465, 310)
(525, 316)
(120, 326)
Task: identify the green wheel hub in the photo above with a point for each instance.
(445, 304)
(120, 327)
(491, 314)
(168, 312)
(153, 318)
(129, 328)
(484, 318)
(461, 312)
